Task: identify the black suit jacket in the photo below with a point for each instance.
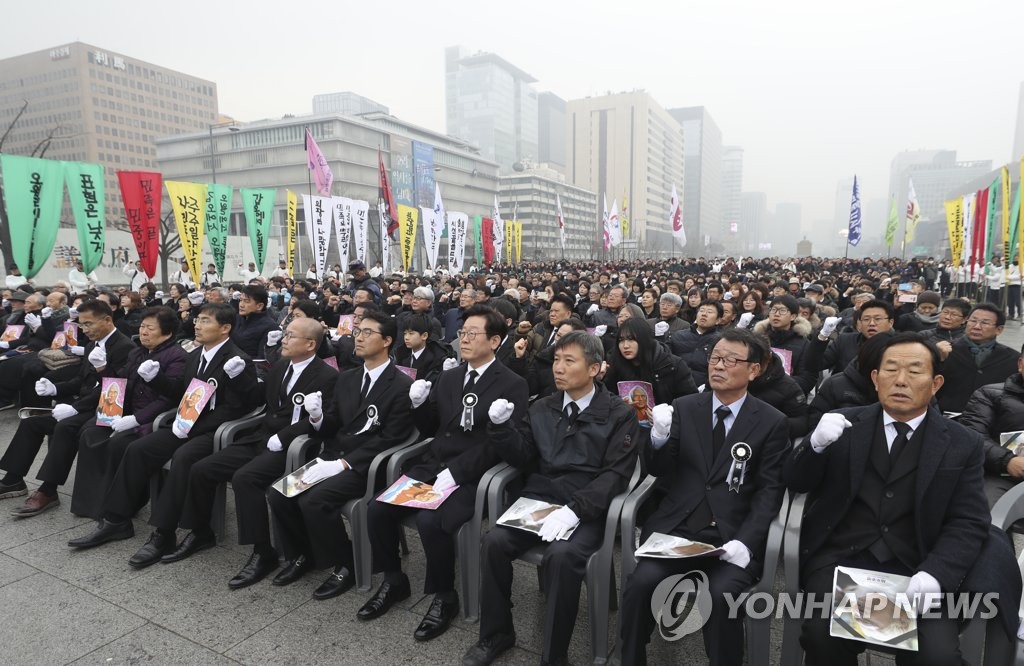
(951, 512)
(467, 454)
(317, 376)
(964, 376)
(233, 397)
(430, 363)
(693, 475)
(85, 386)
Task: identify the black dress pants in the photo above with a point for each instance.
(100, 450)
(60, 454)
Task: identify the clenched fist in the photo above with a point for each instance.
(148, 370)
(500, 411)
(234, 366)
(830, 428)
(418, 392)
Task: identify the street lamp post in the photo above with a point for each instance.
(232, 127)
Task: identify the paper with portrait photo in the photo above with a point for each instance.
(293, 484)
(111, 405)
(345, 324)
(666, 546)
(1014, 441)
(871, 606)
(408, 372)
(529, 514)
(639, 396)
(12, 332)
(197, 396)
(414, 494)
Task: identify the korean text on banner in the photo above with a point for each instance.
(292, 224)
(497, 232)
(892, 224)
(317, 211)
(431, 235)
(1005, 195)
(407, 220)
(955, 226)
(188, 201)
(478, 244)
(457, 226)
(342, 226)
(259, 211)
(85, 190)
(487, 239)
(360, 215)
(385, 241)
(853, 232)
(519, 241)
(218, 221)
(34, 192)
(140, 192)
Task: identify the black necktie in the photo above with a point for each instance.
(366, 386)
(571, 411)
(900, 442)
(284, 384)
(202, 364)
(718, 432)
(468, 388)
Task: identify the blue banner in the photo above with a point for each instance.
(853, 237)
(423, 172)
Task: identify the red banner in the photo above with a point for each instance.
(140, 191)
(980, 230)
(487, 236)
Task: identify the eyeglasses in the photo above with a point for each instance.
(469, 335)
(729, 361)
(779, 311)
(978, 322)
(290, 336)
(955, 314)
(874, 320)
(365, 332)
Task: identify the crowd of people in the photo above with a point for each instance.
(888, 373)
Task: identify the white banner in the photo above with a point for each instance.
(360, 213)
(317, 211)
(561, 222)
(458, 223)
(614, 226)
(675, 218)
(431, 235)
(342, 227)
(385, 240)
(497, 231)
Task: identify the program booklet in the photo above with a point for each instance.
(786, 356)
(414, 494)
(66, 337)
(408, 372)
(197, 396)
(292, 484)
(865, 607)
(528, 514)
(12, 332)
(639, 396)
(666, 546)
(345, 324)
(111, 405)
(1013, 441)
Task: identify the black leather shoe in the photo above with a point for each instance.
(105, 533)
(256, 569)
(339, 582)
(156, 547)
(189, 546)
(487, 650)
(439, 616)
(386, 596)
(293, 571)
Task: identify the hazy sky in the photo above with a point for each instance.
(813, 91)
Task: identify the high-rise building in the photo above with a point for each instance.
(702, 196)
(754, 217)
(94, 105)
(493, 104)
(627, 144)
(786, 228)
(1018, 136)
(731, 209)
(532, 197)
(551, 131)
(347, 103)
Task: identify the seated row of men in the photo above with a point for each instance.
(871, 472)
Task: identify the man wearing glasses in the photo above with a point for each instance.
(976, 359)
(698, 442)
(874, 317)
(454, 412)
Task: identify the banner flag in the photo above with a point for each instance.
(259, 212)
(614, 225)
(85, 190)
(1004, 193)
(990, 221)
(360, 213)
(606, 237)
(955, 226)
(675, 217)
(317, 212)
(218, 222)
(457, 224)
(292, 222)
(188, 201)
(510, 237)
(478, 243)
(34, 194)
(519, 241)
(853, 233)
(140, 193)
(913, 214)
(407, 220)
(385, 200)
(624, 216)
(968, 208)
(561, 223)
(487, 236)
(1015, 225)
(385, 240)
(892, 225)
(342, 208)
(1020, 217)
(439, 209)
(497, 232)
(431, 235)
(980, 229)
(317, 163)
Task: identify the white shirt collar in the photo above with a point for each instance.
(734, 407)
(481, 369)
(914, 423)
(376, 372)
(103, 342)
(208, 354)
(416, 354)
(583, 402)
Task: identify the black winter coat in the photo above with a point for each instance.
(782, 392)
(995, 409)
(848, 388)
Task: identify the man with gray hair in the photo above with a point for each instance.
(608, 313)
(668, 322)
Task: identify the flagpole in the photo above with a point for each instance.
(309, 187)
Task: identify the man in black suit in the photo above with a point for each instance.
(255, 460)
(79, 397)
(702, 444)
(578, 447)
(218, 362)
(976, 358)
(309, 527)
(454, 412)
(421, 351)
(893, 487)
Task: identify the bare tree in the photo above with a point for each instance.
(170, 242)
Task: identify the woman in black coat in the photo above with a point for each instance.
(639, 357)
(782, 392)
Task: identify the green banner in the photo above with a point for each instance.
(218, 220)
(990, 215)
(259, 211)
(892, 224)
(1014, 223)
(85, 189)
(477, 246)
(34, 191)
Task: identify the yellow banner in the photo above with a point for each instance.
(408, 217)
(188, 200)
(1004, 192)
(955, 225)
(510, 237)
(624, 217)
(519, 240)
(293, 231)
(1020, 224)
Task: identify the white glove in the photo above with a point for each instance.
(98, 357)
(450, 363)
(418, 392)
(323, 469)
(830, 428)
(33, 321)
(77, 350)
(600, 330)
(660, 329)
(196, 298)
(234, 367)
(444, 481)
(148, 370)
(924, 592)
(736, 553)
(829, 326)
(62, 411)
(662, 416)
(236, 296)
(180, 434)
(47, 312)
(5, 302)
(124, 423)
(73, 314)
(314, 405)
(4, 344)
(45, 387)
(274, 443)
(558, 523)
(592, 309)
(745, 320)
(274, 337)
(500, 411)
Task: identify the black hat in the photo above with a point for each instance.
(814, 286)
(356, 266)
(19, 296)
